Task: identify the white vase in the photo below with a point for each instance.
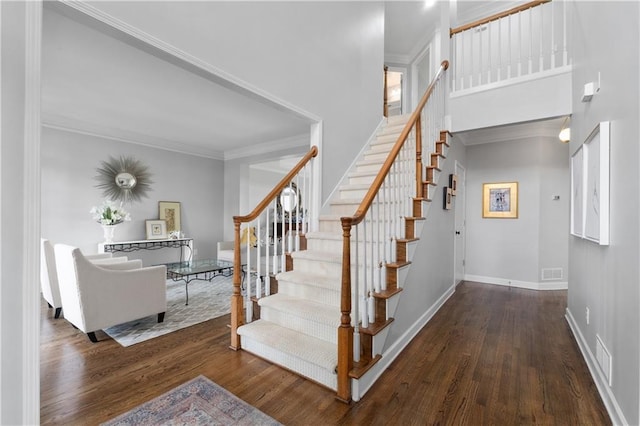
(109, 231)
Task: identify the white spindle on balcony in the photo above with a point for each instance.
(525, 37)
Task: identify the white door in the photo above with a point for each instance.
(460, 221)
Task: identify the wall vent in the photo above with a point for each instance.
(551, 274)
(604, 359)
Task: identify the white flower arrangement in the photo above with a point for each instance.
(109, 214)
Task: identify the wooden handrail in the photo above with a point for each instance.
(278, 188)
(237, 309)
(346, 330)
(496, 16)
(386, 167)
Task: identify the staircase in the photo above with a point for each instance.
(297, 326)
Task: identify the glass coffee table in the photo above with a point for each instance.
(204, 269)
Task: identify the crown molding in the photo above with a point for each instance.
(60, 123)
(267, 147)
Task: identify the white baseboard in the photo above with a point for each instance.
(547, 285)
(608, 398)
(361, 386)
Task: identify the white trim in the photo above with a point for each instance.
(360, 386)
(608, 398)
(404, 104)
(316, 178)
(154, 143)
(530, 285)
(267, 147)
(513, 81)
(31, 210)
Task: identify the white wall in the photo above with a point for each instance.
(605, 279)
(504, 251)
(69, 163)
(323, 57)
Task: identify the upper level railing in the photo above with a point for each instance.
(275, 228)
(523, 41)
(379, 223)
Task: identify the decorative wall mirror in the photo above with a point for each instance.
(123, 179)
(289, 199)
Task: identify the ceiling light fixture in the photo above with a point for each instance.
(429, 3)
(565, 131)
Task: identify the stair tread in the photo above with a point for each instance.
(343, 201)
(299, 345)
(375, 327)
(303, 308)
(325, 256)
(348, 186)
(318, 235)
(305, 278)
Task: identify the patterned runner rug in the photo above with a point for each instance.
(207, 300)
(197, 402)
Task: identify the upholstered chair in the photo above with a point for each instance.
(49, 275)
(99, 296)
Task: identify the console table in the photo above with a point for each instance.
(184, 244)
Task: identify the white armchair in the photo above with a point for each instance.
(49, 274)
(95, 297)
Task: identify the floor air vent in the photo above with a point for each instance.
(604, 359)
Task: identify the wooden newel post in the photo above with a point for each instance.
(237, 309)
(345, 331)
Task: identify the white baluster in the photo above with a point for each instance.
(298, 210)
(510, 36)
(267, 287)
(553, 36)
(530, 11)
(275, 236)
(565, 60)
(258, 271)
(356, 307)
(499, 76)
(519, 44)
(541, 66)
(248, 304)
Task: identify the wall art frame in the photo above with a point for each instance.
(590, 190)
(447, 194)
(453, 183)
(156, 229)
(171, 212)
(500, 200)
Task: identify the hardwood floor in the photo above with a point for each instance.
(491, 355)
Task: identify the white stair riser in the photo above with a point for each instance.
(318, 294)
(310, 266)
(382, 146)
(300, 366)
(362, 180)
(335, 246)
(334, 226)
(365, 167)
(348, 194)
(376, 156)
(344, 209)
(326, 332)
(392, 128)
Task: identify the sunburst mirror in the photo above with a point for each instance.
(123, 179)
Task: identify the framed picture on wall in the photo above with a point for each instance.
(446, 193)
(596, 185)
(453, 183)
(156, 229)
(170, 211)
(500, 200)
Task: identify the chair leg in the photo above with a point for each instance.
(161, 317)
(57, 314)
(92, 336)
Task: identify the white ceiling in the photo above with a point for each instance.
(99, 84)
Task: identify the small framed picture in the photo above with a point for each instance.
(500, 200)
(446, 191)
(156, 229)
(453, 183)
(170, 211)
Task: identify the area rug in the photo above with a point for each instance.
(207, 300)
(197, 402)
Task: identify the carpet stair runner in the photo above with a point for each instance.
(298, 326)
